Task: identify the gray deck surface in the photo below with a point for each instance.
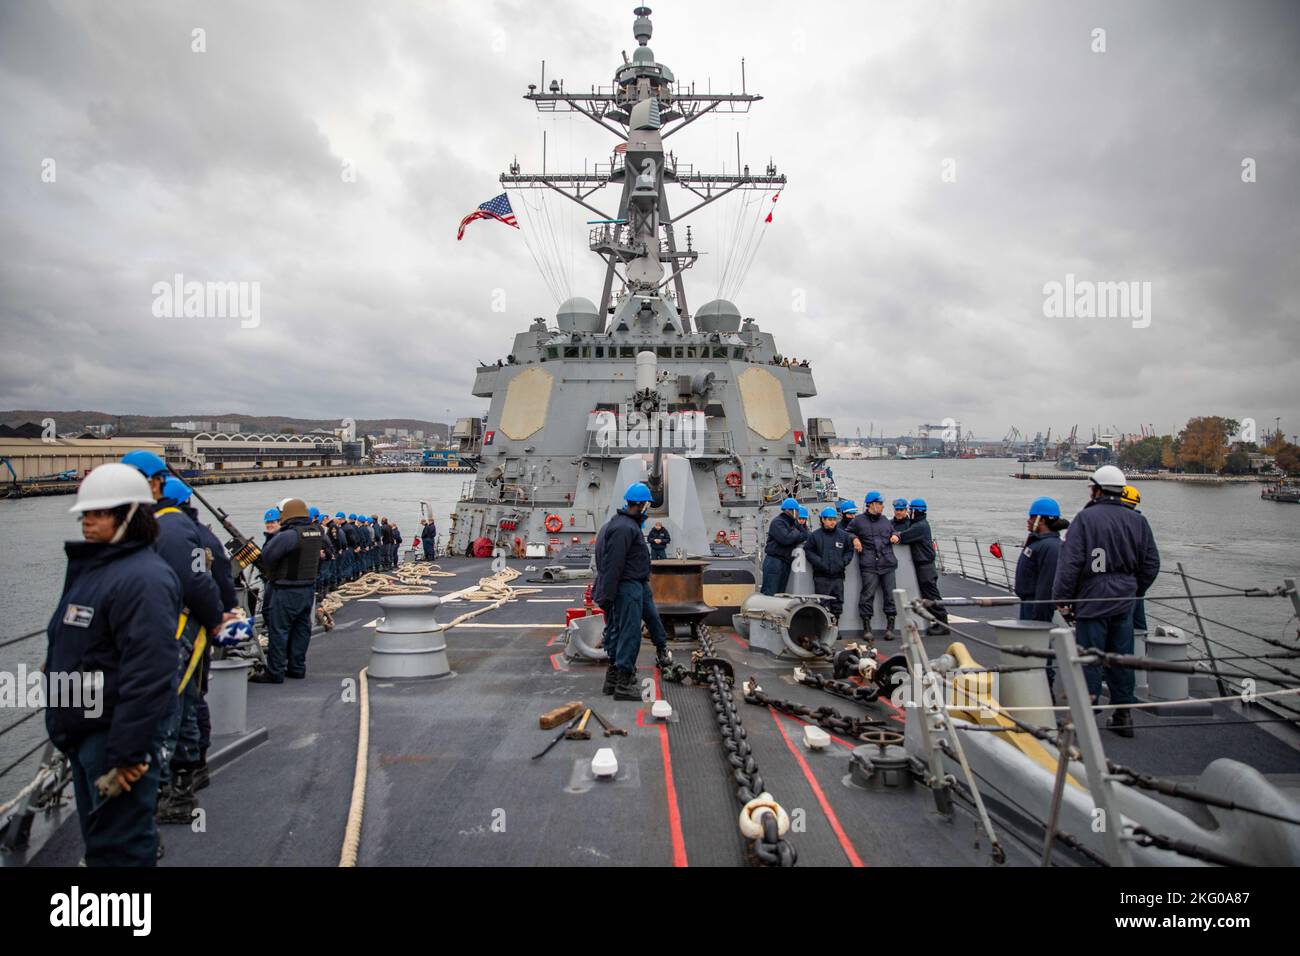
(451, 782)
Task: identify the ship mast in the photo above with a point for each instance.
(642, 108)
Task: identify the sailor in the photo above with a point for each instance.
(1036, 567)
(1108, 560)
(386, 544)
(352, 535)
(223, 573)
(289, 563)
(179, 544)
(342, 553)
(325, 568)
(848, 511)
(801, 515)
(116, 619)
(622, 587)
(270, 523)
(783, 535)
(1132, 498)
(875, 536)
(829, 551)
(397, 544)
(659, 539)
(429, 540)
(900, 519)
(918, 536)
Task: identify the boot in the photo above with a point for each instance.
(611, 680)
(939, 630)
(178, 803)
(627, 688)
(202, 776)
(1121, 721)
(663, 658)
(890, 633)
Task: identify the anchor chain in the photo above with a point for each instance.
(827, 718)
(769, 847)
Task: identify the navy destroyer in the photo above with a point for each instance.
(446, 717)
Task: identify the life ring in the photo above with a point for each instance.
(554, 523)
(733, 479)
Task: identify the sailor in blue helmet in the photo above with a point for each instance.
(876, 561)
(179, 544)
(115, 618)
(848, 511)
(784, 534)
(270, 523)
(223, 573)
(289, 564)
(900, 519)
(920, 538)
(622, 591)
(352, 536)
(342, 553)
(829, 550)
(1036, 566)
(801, 515)
(1109, 559)
(325, 570)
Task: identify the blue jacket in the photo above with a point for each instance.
(1118, 542)
(117, 615)
(428, 532)
(222, 570)
(829, 552)
(877, 553)
(784, 534)
(659, 537)
(1036, 573)
(621, 555)
(918, 534)
(281, 545)
(178, 544)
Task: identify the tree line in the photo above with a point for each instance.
(1209, 445)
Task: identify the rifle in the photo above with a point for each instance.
(244, 551)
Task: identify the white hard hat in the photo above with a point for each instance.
(111, 485)
(1110, 478)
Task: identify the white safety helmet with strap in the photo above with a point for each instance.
(111, 486)
(1109, 478)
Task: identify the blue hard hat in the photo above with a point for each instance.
(313, 513)
(789, 505)
(873, 497)
(339, 514)
(145, 462)
(352, 517)
(176, 490)
(637, 492)
(900, 504)
(272, 514)
(803, 512)
(848, 506)
(918, 504)
(829, 512)
(1045, 507)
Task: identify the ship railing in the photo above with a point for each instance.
(1270, 663)
(713, 444)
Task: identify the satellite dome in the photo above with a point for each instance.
(579, 315)
(718, 316)
(643, 54)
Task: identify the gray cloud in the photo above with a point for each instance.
(227, 165)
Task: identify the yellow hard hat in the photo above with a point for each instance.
(1131, 496)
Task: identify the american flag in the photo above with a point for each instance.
(620, 148)
(498, 209)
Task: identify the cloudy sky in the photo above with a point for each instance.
(922, 293)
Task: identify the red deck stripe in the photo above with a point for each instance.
(674, 814)
(834, 821)
(740, 640)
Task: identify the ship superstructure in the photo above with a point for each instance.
(639, 387)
